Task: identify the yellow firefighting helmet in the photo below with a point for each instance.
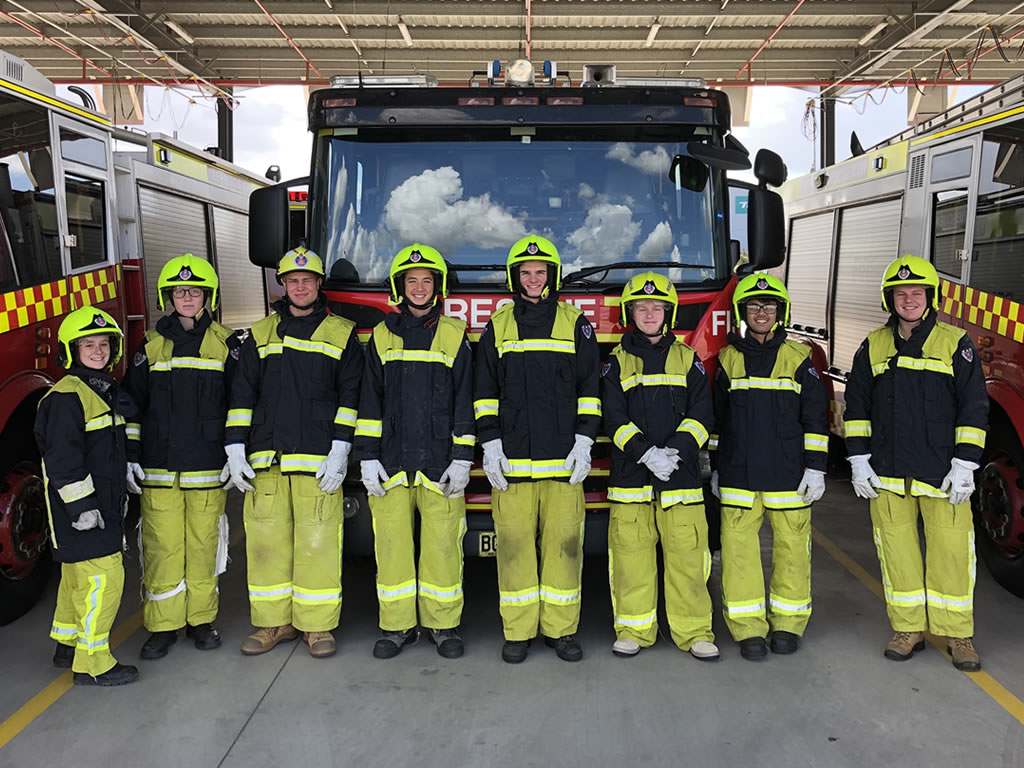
(910, 270)
(418, 256)
(761, 286)
(533, 248)
(188, 271)
(649, 285)
(87, 321)
(300, 259)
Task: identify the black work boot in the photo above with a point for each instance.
(205, 636)
(391, 643)
(753, 648)
(157, 645)
(448, 642)
(63, 656)
(119, 674)
(514, 651)
(567, 647)
(784, 642)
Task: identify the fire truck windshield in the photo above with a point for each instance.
(599, 201)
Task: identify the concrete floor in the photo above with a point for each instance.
(837, 702)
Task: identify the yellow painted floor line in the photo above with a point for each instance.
(996, 690)
(42, 701)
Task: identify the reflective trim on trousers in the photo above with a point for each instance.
(519, 597)
(638, 621)
(157, 596)
(559, 596)
(790, 607)
(958, 603)
(59, 630)
(330, 596)
(743, 607)
(390, 593)
(912, 598)
(94, 602)
(441, 594)
(271, 592)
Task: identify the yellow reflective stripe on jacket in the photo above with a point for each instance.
(300, 345)
(416, 356)
(782, 500)
(203, 480)
(588, 406)
(239, 417)
(893, 484)
(444, 347)
(369, 428)
(201, 363)
(402, 478)
(485, 407)
(538, 469)
(77, 490)
(682, 496)
(261, 459)
(858, 428)
(345, 416)
(104, 421)
(936, 353)
(469, 440)
(757, 382)
(537, 345)
(737, 497)
(713, 441)
(922, 364)
(971, 435)
(918, 488)
(652, 380)
(133, 430)
(301, 462)
(157, 477)
(816, 442)
(624, 434)
(631, 495)
(519, 596)
(694, 429)
(563, 331)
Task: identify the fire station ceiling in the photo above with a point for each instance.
(731, 42)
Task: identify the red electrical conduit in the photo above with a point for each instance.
(57, 43)
(769, 39)
(292, 42)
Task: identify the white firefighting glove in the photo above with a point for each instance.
(812, 486)
(456, 478)
(661, 461)
(88, 520)
(960, 481)
(714, 485)
(135, 475)
(331, 473)
(578, 459)
(863, 477)
(496, 464)
(225, 478)
(373, 476)
(238, 467)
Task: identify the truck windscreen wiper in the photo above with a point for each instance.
(580, 275)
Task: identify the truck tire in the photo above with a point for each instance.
(24, 540)
(999, 509)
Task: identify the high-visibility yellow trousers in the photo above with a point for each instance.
(87, 601)
(789, 592)
(293, 542)
(181, 532)
(633, 533)
(545, 595)
(937, 593)
(438, 590)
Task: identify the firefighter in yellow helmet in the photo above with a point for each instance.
(657, 408)
(290, 426)
(415, 437)
(180, 378)
(80, 429)
(770, 452)
(916, 418)
(537, 412)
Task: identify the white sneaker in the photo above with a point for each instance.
(704, 650)
(626, 647)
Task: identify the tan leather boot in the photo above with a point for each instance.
(965, 658)
(265, 638)
(903, 645)
(321, 644)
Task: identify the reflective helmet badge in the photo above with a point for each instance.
(99, 320)
(904, 272)
(415, 256)
(532, 249)
(649, 287)
(185, 274)
(301, 260)
(762, 284)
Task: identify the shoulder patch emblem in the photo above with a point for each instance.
(700, 367)
(968, 354)
(587, 329)
(605, 367)
(140, 358)
(814, 372)
(235, 352)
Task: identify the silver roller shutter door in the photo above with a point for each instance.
(171, 226)
(869, 239)
(810, 251)
(241, 282)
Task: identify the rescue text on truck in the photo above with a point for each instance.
(622, 174)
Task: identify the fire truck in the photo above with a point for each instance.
(950, 189)
(622, 174)
(83, 224)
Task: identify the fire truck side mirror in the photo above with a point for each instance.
(765, 229)
(268, 225)
(769, 168)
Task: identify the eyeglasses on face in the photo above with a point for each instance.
(181, 292)
(768, 309)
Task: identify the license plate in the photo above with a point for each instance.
(488, 544)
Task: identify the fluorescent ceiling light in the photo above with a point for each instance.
(872, 32)
(177, 29)
(329, 4)
(405, 32)
(652, 34)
